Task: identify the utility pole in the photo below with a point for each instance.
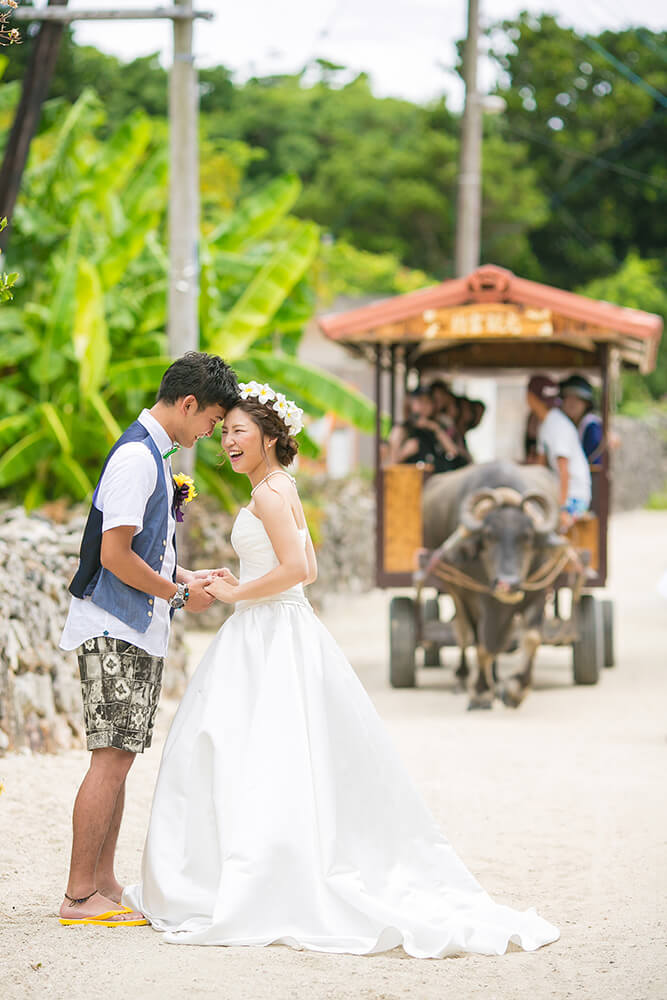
(38, 75)
(183, 331)
(183, 327)
(469, 195)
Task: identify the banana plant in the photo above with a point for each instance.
(83, 345)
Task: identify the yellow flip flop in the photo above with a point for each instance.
(104, 920)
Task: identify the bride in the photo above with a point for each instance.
(281, 812)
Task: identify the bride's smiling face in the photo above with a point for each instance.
(242, 441)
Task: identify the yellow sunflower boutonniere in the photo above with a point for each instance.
(184, 492)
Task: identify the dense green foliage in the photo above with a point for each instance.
(639, 284)
(574, 183)
(594, 138)
(572, 176)
(84, 347)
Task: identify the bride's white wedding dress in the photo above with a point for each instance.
(283, 814)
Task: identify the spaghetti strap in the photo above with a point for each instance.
(275, 472)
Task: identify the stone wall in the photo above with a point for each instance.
(39, 692)
(639, 463)
(40, 700)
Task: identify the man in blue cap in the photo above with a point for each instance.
(559, 448)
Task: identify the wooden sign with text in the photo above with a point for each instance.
(497, 319)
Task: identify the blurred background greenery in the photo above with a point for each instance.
(309, 190)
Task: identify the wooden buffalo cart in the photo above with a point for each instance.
(491, 323)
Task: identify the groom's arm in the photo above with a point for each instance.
(118, 556)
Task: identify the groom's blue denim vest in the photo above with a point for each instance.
(92, 580)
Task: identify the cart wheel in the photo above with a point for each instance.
(431, 613)
(609, 658)
(587, 651)
(402, 642)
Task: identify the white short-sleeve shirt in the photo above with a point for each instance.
(557, 438)
(128, 482)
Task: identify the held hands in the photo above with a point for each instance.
(199, 599)
(201, 583)
(223, 587)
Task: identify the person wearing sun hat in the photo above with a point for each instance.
(558, 446)
(577, 395)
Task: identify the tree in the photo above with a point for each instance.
(639, 284)
(592, 136)
(379, 173)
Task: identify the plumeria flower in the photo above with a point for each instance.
(281, 406)
(249, 389)
(287, 410)
(266, 394)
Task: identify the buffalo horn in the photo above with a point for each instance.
(475, 507)
(542, 510)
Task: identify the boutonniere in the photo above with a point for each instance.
(184, 492)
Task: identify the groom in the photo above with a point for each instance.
(126, 589)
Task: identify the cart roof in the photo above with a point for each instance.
(494, 319)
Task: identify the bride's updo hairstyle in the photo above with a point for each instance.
(271, 425)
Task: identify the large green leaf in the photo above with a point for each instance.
(147, 190)
(89, 333)
(49, 362)
(124, 250)
(56, 427)
(77, 119)
(113, 429)
(14, 347)
(258, 213)
(74, 475)
(19, 460)
(140, 373)
(11, 318)
(310, 386)
(120, 155)
(11, 427)
(266, 293)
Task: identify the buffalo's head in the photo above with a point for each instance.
(505, 534)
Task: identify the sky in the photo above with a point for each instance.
(406, 46)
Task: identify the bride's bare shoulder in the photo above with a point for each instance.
(275, 493)
(278, 496)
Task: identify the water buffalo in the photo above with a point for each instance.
(498, 523)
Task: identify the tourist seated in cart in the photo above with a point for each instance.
(577, 403)
(447, 411)
(420, 440)
(471, 412)
(559, 448)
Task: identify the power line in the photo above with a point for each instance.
(624, 70)
(642, 34)
(588, 157)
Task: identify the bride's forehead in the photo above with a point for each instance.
(236, 417)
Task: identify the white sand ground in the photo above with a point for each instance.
(561, 805)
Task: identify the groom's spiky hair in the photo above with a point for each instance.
(205, 376)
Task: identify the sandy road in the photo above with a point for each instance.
(560, 805)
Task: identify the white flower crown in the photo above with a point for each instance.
(287, 410)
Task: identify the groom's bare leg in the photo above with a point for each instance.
(94, 813)
(105, 877)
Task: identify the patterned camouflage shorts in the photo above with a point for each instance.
(121, 687)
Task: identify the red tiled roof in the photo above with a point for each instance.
(496, 284)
